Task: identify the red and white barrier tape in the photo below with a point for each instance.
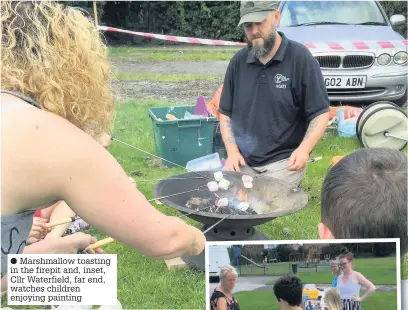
(338, 46)
(174, 38)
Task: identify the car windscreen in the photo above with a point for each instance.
(297, 13)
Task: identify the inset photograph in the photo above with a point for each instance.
(308, 275)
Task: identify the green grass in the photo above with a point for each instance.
(303, 224)
(173, 53)
(144, 283)
(377, 270)
(164, 77)
(267, 301)
(134, 127)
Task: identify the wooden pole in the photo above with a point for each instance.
(95, 14)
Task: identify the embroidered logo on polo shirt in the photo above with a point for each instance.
(280, 81)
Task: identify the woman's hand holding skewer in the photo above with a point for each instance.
(71, 244)
(198, 244)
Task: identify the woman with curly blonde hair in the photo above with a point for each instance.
(56, 102)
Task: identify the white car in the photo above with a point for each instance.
(219, 256)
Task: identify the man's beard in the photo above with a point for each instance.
(263, 49)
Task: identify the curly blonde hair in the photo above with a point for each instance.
(55, 55)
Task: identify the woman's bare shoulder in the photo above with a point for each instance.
(39, 150)
(46, 127)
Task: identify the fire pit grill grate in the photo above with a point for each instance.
(269, 198)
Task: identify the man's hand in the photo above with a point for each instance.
(234, 161)
(298, 159)
(359, 299)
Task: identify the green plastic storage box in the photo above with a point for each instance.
(182, 140)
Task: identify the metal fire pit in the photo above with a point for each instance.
(272, 198)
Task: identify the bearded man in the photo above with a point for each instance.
(274, 104)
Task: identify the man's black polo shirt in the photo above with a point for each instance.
(271, 105)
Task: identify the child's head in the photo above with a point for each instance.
(364, 195)
(288, 291)
(332, 300)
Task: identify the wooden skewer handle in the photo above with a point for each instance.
(60, 222)
(100, 243)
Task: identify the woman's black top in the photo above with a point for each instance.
(231, 304)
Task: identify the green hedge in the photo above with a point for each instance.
(202, 19)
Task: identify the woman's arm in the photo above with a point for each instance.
(370, 287)
(221, 304)
(71, 166)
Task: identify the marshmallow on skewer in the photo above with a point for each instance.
(243, 206)
(224, 184)
(223, 202)
(247, 179)
(248, 185)
(212, 186)
(218, 176)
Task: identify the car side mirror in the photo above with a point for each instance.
(396, 20)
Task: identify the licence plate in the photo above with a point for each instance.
(345, 81)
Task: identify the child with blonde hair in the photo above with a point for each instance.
(332, 300)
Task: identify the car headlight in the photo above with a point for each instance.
(400, 58)
(384, 59)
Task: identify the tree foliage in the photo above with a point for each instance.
(202, 19)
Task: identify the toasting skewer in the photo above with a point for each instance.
(200, 188)
(267, 173)
(153, 180)
(97, 244)
(63, 221)
(211, 227)
(158, 157)
(100, 243)
(196, 211)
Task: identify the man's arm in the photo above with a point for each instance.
(227, 134)
(234, 157)
(315, 104)
(315, 131)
